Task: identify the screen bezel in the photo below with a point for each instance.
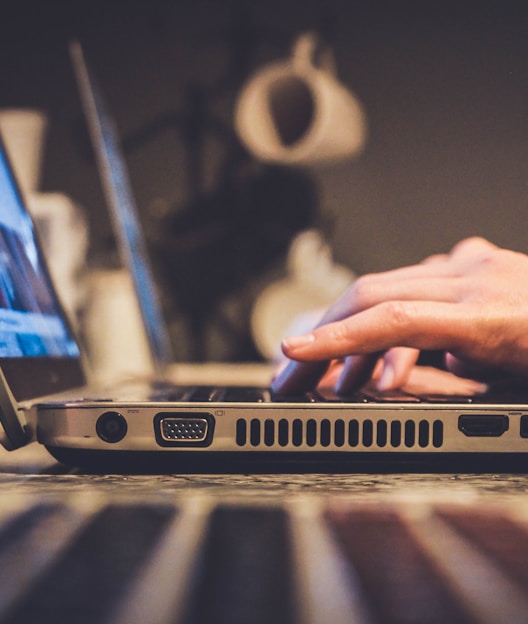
(31, 378)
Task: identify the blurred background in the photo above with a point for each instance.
(444, 86)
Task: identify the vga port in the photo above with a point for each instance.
(191, 429)
(183, 429)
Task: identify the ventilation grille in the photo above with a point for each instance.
(339, 433)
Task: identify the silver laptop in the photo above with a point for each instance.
(159, 426)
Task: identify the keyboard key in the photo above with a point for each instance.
(447, 398)
(235, 394)
(204, 394)
(327, 395)
(389, 396)
(288, 398)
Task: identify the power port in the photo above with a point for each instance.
(483, 425)
(111, 427)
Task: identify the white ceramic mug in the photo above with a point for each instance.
(297, 112)
(113, 329)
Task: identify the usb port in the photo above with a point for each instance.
(183, 429)
(483, 425)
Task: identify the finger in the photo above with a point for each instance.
(298, 377)
(332, 374)
(441, 289)
(357, 370)
(437, 265)
(421, 325)
(436, 259)
(472, 370)
(397, 366)
(425, 281)
(368, 292)
(427, 380)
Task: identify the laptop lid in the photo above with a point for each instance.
(124, 213)
(39, 354)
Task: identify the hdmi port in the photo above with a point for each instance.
(183, 429)
(483, 425)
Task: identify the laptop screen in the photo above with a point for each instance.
(32, 323)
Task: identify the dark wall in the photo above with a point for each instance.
(444, 85)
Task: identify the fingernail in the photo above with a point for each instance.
(298, 342)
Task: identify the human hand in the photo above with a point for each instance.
(471, 304)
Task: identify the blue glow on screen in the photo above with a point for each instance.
(31, 321)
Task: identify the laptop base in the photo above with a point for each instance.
(211, 462)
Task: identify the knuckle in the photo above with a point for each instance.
(338, 333)
(491, 261)
(398, 313)
(471, 244)
(434, 259)
(361, 291)
(475, 241)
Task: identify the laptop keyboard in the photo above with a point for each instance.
(250, 394)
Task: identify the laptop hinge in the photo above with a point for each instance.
(13, 433)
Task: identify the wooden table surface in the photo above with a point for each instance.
(32, 469)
